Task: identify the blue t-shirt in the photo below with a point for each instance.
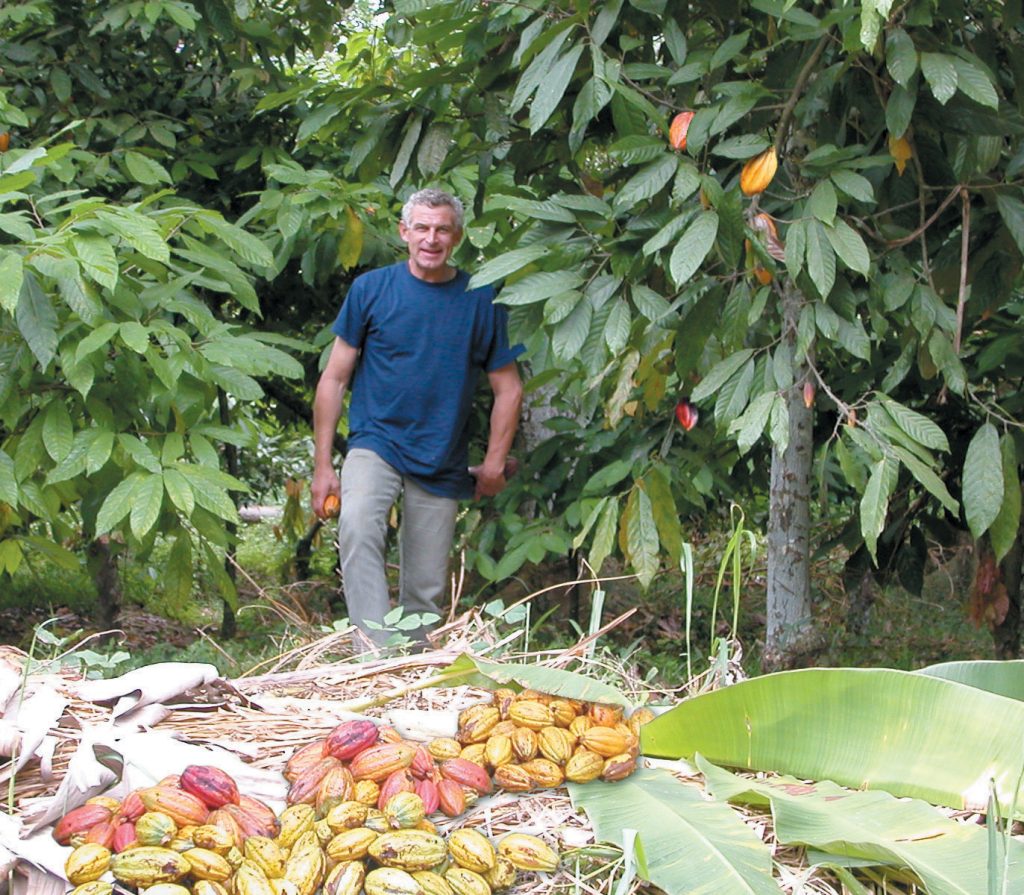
(422, 346)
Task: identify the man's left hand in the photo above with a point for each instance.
(491, 481)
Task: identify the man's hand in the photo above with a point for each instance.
(325, 486)
(490, 481)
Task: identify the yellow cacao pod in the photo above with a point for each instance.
(639, 718)
(563, 712)
(432, 883)
(531, 713)
(501, 699)
(603, 714)
(167, 889)
(111, 804)
(580, 724)
(408, 850)
(347, 816)
(87, 863)
(376, 821)
(758, 172)
(295, 820)
(323, 831)
(466, 882)
(512, 778)
(266, 854)
(148, 865)
(351, 845)
(250, 880)
(206, 864)
(605, 741)
(502, 875)
(544, 773)
(584, 766)
(306, 870)
(474, 752)
(345, 879)
(497, 751)
(476, 723)
(215, 838)
(208, 887)
(556, 744)
(527, 852)
(155, 828)
(96, 887)
(390, 881)
(367, 792)
(471, 849)
(525, 744)
(404, 810)
(444, 747)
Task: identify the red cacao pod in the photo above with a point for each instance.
(350, 738)
(212, 786)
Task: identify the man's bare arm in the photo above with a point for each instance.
(508, 400)
(327, 405)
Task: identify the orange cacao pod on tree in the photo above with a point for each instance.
(467, 773)
(350, 738)
(678, 128)
(758, 172)
(379, 762)
(212, 786)
(79, 820)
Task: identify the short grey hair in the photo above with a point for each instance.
(432, 198)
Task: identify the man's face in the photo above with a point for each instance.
(431, 236)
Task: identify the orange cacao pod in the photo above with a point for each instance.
(303, 758)
(182, 807)
(605, 741)
(678, 128)
(525, 744)
(604, 715)
(381, 761)
(388, 734)
(531, 713)
(467, 773)
(427, 791)
(212, 786)
(399, 781)
(101, 834)
(226, 822)
(304, 788)
(758, 172)
(618, 767)
(350, 738)
(544, 773)
(331, 506)
(249, 824)
(583, 766)
(512, 778)
(79, 820)
(451, 797)
(262, 812)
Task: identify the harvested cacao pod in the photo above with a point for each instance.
(302, 758)
(476, 724)
(155, 828)
(544, 773)
(427, 791)
(304, 789)
(262, 812)
(605, 741)
(390, 881)
(148, 865)
(250, 880)
(206, 864)
(336, 787)
(350, 738)
(366, 791)
(250, 824)
(207, 887)
(378, 762)
(432, 883)
(528, 852)
(444, 747)
(96, 887)
(618, 767)
(351, 845)
(266, 854)
(101, 834)
(531, 713)
(467, 773)
(376, 821)
(584, 766)
(331, 506)
(112, 804)
(212, 786)
(466, 882)
(469, 848)
(503, 698)
(345, 879)
(305, 870)
(474, 752)
(556, 744)
(758, 172)
(451, 797)
(182, 807)
(131, 806)
(404, 810)
(226, 822)
(581, 722)
(563, 711)
(346, 816)
(502, 875)
(295, 820)
(678, 128)
(79, 820)
(124, 837)
(423, 765)
(212, 837)
(87, 863)
(408, 850)
(525, 744)
(512, 778)
(399, 781)
(497, 751)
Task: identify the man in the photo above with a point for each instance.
(410, 341)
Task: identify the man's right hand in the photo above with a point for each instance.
(325, 486)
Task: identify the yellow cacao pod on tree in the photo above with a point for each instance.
(758, 172)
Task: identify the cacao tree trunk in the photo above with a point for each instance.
(228, 621)
(102, 565)
(789, 633)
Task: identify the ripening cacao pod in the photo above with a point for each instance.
(618, 767)
(206, 864)
(432, 883)
(444, 747)
(531, 713)
(336, 787)
(467, 773)
(390, 881)
(497, 751)
(225, 821)
(351, 845)
(476, 723)
(262, 812)
(379, 762)
(367, 792)
(250, 880)
(182, 807)
(331, 506)
(350, 738)
(427, 791)
(304, 788)
(525, 745)
(583, 766)
(471, 849)
(512, 778)
(345, 816)
(305, 870)
(556, 744)
(678, 128)
(404, 810)
(544, 773)
(527, 852)
(502, 875)
(155, 828)
(302, 758)
(79, 820)
(758, 172)
(212, 786)
(605, 741)
(345, 879)
(295, 820)
(451, 797)
(214, 838)
(400, 781)
(148, 865)
(408, 850)
(87, 863)
(266, 854)
(124, 837)
(466, 882)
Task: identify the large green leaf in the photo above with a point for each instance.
(1003, 530)
(983, 480)
(1001, 678)
(909, 734)
(950, 858)
(688, 844)
(693, 247)
(479, 672)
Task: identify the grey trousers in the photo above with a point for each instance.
(369, 488)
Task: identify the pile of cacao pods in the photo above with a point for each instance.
(197, 835)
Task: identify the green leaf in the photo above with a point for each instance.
(693, 247)
(1012, 211)
(604, 535)
(117, 504)
(927, 477)
(689, 843)
(8, 482)
(135, 336)
(940, 72)
(1004, 678)
(507, 263)
(821, 259)
(147, 499)
(616, 327)
(243, 244)
(140, 232)
(719, 374)
(900, 56)
(983, 480)
(11, 273)
(908, 734)
(822, 203)
(874, 505)
(569, 335)
(919, 427)
(179, 491)
(1003, 531)
(98, 259)
(871, 827)
(37, 320)
(849, 246)
(666, 515)
(145, 170)
(854, 185)
(899, 109)
(540, 286)
(647, 182)
(972, 81)
(742, 147)
(58, 430)
(749, 425)
(178, 573)
(476, 672)
(641, 537)
(552, 88)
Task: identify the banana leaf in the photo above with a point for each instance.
(1001, 678)
(685, 844)
(949, 858)
(479, 672)
(906, 733)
